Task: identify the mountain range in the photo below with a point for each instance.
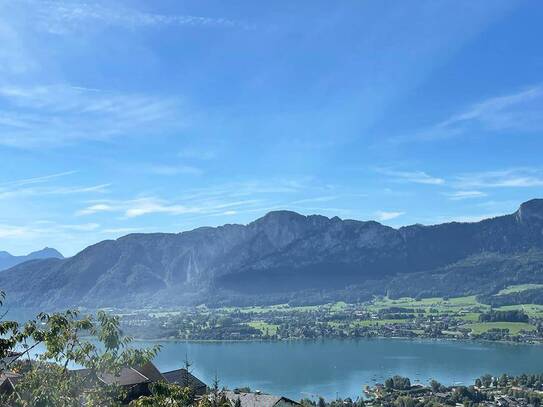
(285, 256)
(7, 260)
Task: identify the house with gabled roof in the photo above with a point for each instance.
(257, 399)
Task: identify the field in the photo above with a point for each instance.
(466, 309)
(518, 288)
(513, 327)
(382, 316)
(264, 327)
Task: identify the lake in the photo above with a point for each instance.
(328, 367)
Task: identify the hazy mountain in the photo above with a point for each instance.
(7, 260)
(284, 253)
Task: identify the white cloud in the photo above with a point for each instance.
(8, 193)
(145, 206)
(175, 170)
(10, 231)
(65, 17)
(122, 231)
(509, 178)
(37, 180)
(518, 111)
(85, 227)
(521, 112)
(241, 197)
(95, 209)
(386, 215)
(417, 177)
(45, 116)
(197, 154)
(315, 199)
(15, 58)
(44, 229)
(461, 195)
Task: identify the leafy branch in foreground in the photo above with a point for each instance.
(65, 340)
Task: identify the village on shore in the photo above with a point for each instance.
(463, 318)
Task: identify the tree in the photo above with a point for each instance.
(503, 380)
(47, 381)
(165, 394)
(404, 402)
(398, 383)
(216, 396)
(186, 381)
(486, 380)
(436, 386)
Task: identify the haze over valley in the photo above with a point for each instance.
(287, 257)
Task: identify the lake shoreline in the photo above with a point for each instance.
(256, 340)
(344, 365)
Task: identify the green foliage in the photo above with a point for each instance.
(398, 383)
(47, 381)
(404, 401)
(504, 316)
(165, 394)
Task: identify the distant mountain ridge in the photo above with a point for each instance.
(7, 260)
(285, 256)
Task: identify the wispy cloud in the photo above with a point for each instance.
(417, 177)
(36, 180)
(6, 193)
(315, 199)
(122, 231)
(387, 215)
(197, 154)
(509, 178)
(54, 115)
(145, 206)
(175, 170)
(84, 227)
(96, 208)
(519, 112)
(242, 197)
(10, 231)
(134, 208)
(461, 195)
(45, 228)
(64, 17)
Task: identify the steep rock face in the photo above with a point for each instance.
(531, 212)
(280, 252)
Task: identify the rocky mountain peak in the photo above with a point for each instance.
(530, 211)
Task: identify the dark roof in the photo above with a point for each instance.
(150, 371)
(181, 377)
(126, 377)
(9, 358)
(8, 380)
(87, 377)
(257, 399)
(133, 375)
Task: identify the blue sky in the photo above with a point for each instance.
(134, 116)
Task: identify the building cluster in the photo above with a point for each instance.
(136, 382)
(495, 395)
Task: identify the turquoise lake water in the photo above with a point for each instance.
(328, 367)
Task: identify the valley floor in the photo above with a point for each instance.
(452, 318)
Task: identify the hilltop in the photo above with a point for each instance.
(285, 256)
